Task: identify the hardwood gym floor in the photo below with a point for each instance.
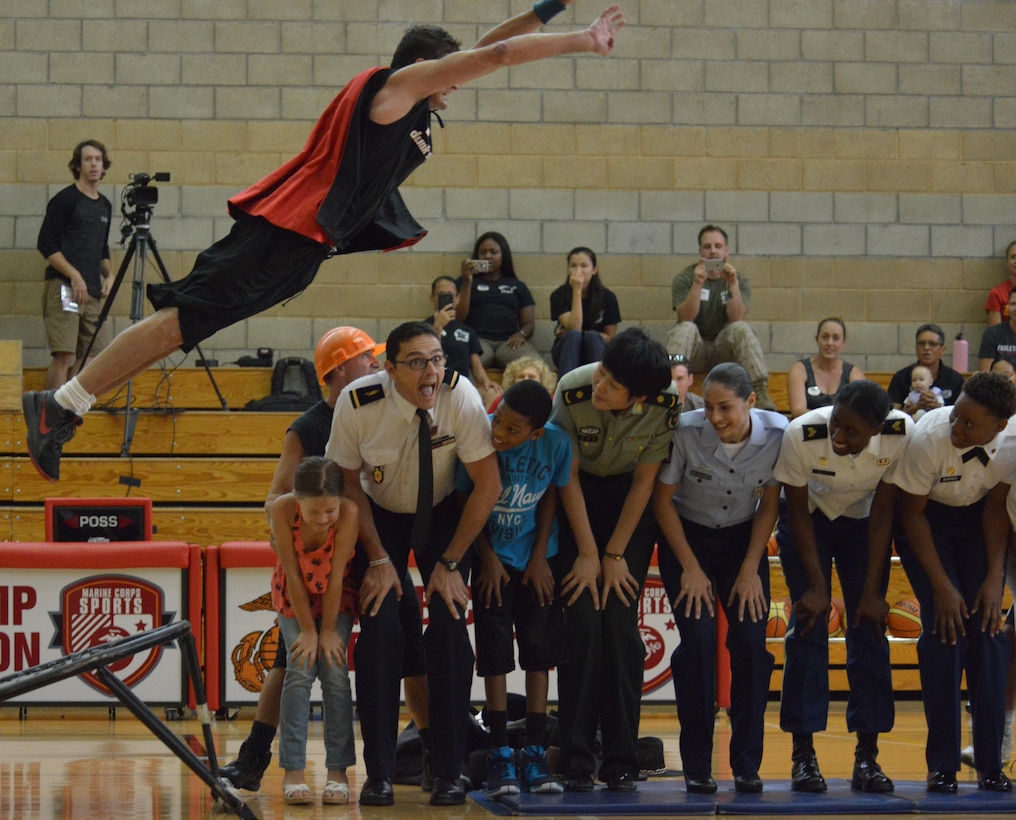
(76, 763)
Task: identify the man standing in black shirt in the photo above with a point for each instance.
(74, 239)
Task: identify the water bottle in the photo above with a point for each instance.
(960, 354)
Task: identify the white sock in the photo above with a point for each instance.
(72, 396)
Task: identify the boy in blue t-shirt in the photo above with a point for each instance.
(513, 584)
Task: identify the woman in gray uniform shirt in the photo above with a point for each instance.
(716, 503)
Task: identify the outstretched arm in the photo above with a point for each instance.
(524, 23)
(407, 86)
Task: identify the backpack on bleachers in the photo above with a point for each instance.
(294, 387)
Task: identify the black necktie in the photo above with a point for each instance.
(978, 453)
(425, 487)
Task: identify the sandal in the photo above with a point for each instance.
(296, 794)
(335, 793)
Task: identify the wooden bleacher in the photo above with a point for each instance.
(206, 469)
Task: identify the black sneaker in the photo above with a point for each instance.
(247, 770)
(50, 427)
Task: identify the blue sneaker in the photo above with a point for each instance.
(536, 776)
(501, 777)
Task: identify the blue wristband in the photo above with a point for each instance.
(547, 10)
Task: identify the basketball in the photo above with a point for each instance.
(779, 617)
(833, 620)
(904, 619)
(841, 615)
(771, 546)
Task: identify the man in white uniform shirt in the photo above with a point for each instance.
(376, 440)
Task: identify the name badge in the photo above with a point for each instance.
(705, 294)
(947, 478)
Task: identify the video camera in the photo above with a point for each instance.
(138, 193)
(140, 196)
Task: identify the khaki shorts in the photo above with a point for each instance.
(71, 332)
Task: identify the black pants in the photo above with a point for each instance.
(959, 542)
(804, 707)
(379, 655)
(601, 682)
(720, 553)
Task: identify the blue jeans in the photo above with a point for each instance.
(576, 348)
(337, 699)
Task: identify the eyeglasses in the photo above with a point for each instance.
(419, 364)
(930, 344)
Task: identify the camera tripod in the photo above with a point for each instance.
(142, 240)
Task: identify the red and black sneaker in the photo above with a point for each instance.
(50, 427)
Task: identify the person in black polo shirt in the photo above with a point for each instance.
(459, 342)
(930, 344)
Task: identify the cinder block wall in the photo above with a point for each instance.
(859, 152)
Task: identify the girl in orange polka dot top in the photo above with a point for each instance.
(314, 532)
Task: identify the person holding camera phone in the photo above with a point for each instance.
(459, 342)
(711, 302)
(339, 195)
(495, 303)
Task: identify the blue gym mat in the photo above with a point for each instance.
(668, 796)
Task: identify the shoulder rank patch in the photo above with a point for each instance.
(813, 432)
(668, 401)
(366, 395)
(578, 394)
(894, 427)
(451, 377)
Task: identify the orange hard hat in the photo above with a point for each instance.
(340, 345)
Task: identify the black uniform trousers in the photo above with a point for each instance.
(379, 654)
(601, 682)
(720, 552)
(804, 706)
(959, 543)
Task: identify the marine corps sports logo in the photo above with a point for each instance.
(104, 608)
(659, 634)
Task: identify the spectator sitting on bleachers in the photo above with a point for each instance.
(999, 341)
(682, 379)
(585, 311)
(930, 344)
(531, 367)
(997, 306)
(711, 301)
(495, 303)
(815, 381)
(459, 342)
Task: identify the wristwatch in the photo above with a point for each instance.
(450, 564)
